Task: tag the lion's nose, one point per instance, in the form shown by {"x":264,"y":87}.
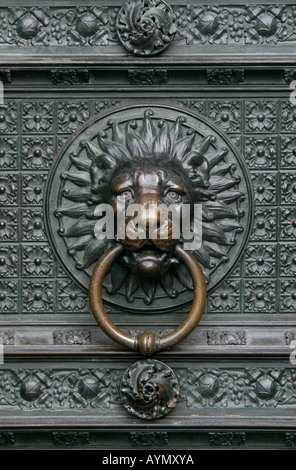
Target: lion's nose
{"x":149,"y":216}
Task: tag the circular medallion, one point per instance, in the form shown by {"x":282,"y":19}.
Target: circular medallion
{"x":182,"y":149}
{"x":145,"y":27}
{"x":149,"y":389}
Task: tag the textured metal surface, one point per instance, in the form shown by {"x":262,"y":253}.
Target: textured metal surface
{"x":208,"y":33}
{"x":273,"y":233}
{"x":236,"y":382}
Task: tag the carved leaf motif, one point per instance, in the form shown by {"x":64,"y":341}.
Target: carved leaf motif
{"x":80,"y":228}
{"x":132,"y":286}
{"x":81,"y":179}
{"x":220,"y":209}
{"x":117,"y":151}
{"x":74,"y":212}
{"x":149,"y":389}
{"x":93,"y":252}
{"x":213,"y":233}
{"x":145,"y":28}
{"x":78,"y":195}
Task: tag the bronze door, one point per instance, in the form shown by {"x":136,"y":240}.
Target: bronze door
{"x":150,"y":103}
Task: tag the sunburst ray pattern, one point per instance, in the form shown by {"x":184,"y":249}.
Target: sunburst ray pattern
{"x":214,"y":183}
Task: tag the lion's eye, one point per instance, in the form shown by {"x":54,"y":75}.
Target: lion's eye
{"x":174,"y":196}
{"x":126,"y":194}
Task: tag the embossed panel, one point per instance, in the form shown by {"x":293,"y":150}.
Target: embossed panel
{"x":79,"y":181}
{"x":63,"y":63}
{"x":34,"y":282}
{"x":145,"y":30}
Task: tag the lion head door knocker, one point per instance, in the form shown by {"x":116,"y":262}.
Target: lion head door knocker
{"x":154,"y":155}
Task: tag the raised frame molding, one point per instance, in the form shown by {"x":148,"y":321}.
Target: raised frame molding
{"x":220,"y":342}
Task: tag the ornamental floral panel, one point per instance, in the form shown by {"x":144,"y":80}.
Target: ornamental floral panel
{"x":193,"y":24}
{"x":288,"y":154}
{"x":31,"y":281}
{"x":8,"y":152}
{"x":97,"y":389}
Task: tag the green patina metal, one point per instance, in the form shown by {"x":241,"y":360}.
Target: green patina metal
{"x":61,"y":66}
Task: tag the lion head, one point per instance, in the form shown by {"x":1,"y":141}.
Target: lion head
{"x":156,"y":162}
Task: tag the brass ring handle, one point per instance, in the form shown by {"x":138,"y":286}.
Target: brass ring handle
{"x":147,"y":343}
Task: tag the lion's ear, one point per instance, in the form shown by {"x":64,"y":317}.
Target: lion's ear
{"x":104,"y":162}
{"x":95,"y":173}
{"x":193,"y":158}
{"x":204,"y":172}
{"x":100,"y":170}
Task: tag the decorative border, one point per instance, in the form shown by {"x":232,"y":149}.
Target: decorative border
{"x":234,"y":388}
{"x":195,"y":24}
{"x":146,"y":440}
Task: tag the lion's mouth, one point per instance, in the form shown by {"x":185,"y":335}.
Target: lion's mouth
{"x":149,"y":251}
{"x":149,"y":261}
{"x":157,"y":243}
